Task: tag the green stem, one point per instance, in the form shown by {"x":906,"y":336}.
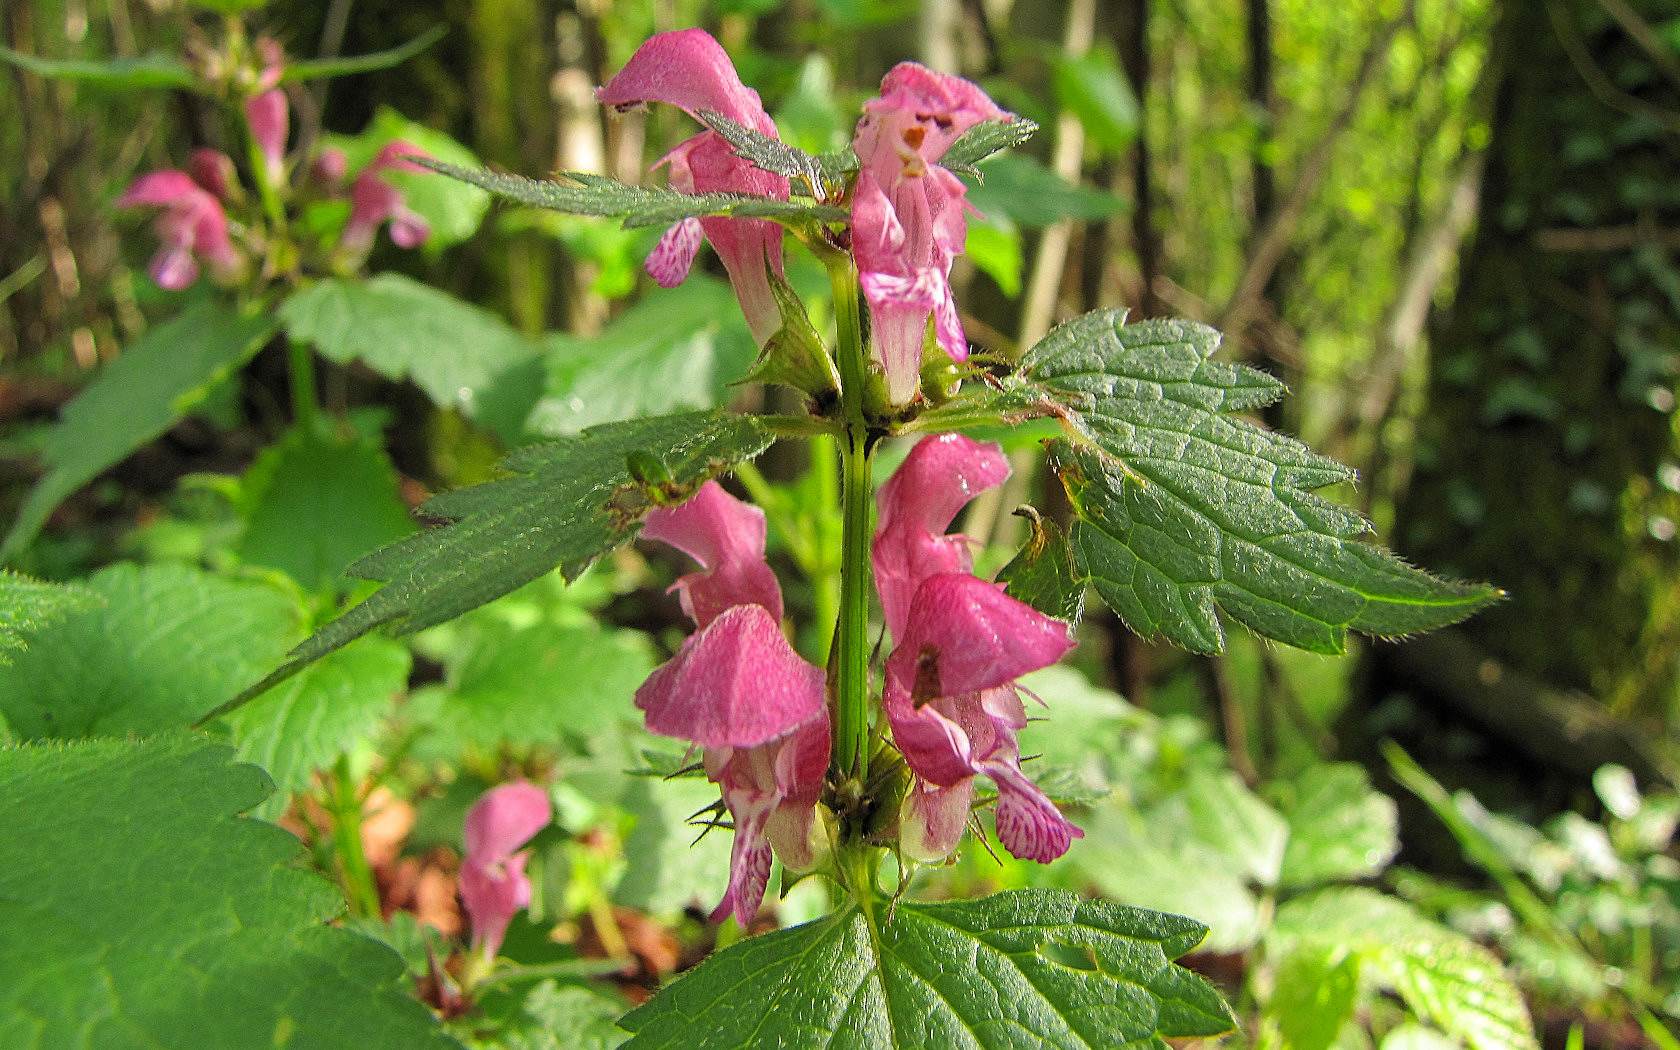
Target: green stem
{"x":851,"y":656}
{"x":306,"y":405}
{"x":359,"y":886}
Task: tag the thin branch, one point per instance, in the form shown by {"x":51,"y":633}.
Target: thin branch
{"x":1597,"y":81}
{"x":1604,"y":238}
{"x":1643,"y":35}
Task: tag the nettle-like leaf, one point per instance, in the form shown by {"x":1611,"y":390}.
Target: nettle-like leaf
{"x":1339,"y":827}
{"x":1442,"y":976}
{"x":137,"y":909}
{"x":984,"y":139}
{"x":821,"y":174}
{"x":402,"y":329}
{"x":1043,"y":573}
{"x":155,"y":382}
{"x":28,"y":605}
{"x":1026,"y":968}
{"x":563,"y":504}
{"x":585,"y":194}
{"x":1184,"y":508}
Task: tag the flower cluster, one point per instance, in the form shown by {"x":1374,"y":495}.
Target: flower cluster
{"x":206,"y":216}
{"x":736,"y":689}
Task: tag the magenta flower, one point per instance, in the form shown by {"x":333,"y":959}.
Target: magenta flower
{"x":908,"y":215}
{"x":192,"y":226}
{"x":214,"y":171}
{"x":916,"y":506}
{"x":738,"y":690}
{"x":266,"y":113}
{"x":373,"y":202}
{"x":955,"y":712}
{"x":690,"y":70}
{"x":494,"y":886}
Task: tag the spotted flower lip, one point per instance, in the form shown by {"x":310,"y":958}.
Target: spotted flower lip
{"x":955,"y":712}
{"x":494,"y":886}
{"x":375,"y":202}
{"x":908,"y":215}
{"x":690,"y":70}
{"x":191,"y":226}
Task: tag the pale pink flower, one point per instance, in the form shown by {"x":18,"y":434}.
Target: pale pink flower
{"x":955,"y":712}
{"x":908,"y":215}
{"x":738,"y":690}
{"x":374,"y":202}
{"x":494,"y":886}
{"x":329,"y":166}
{"x":915,"y":507}
{"x":192,"y":226}
{"x":690,"y":70}
{"x":213,"y":170}
{"x":267,"y":115}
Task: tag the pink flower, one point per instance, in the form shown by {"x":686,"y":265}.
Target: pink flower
{"x":738,"y":690}
{"x":329,"y":166}
{"x":690,"y":70}
{"x":494,"y":886}
{"x":726,"y":536}
{"x":916,"y":506}
{"x":266,"y":113}
{"x":908,"y":215}
{"x":213,"y":170}
{"x":192,"y":226}
{"x":373,"y":202}
{"x":954,"y":710}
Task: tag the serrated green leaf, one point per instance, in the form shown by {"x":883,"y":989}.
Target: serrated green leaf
{"x":1314,"y":995}
{"x":585,"y":194}
{"x":316,"y":68}
{"x":138,"y":910}
{"x":1184,"y":508}
{"x":824,"y":176}
{"x":316,"y":501}
{"x":1042,"y":573}
{"x":562,"y":505}
{"x":145,"y":71}
{"x":1443,"y":977}
{"x":677,"y":349}
{"x":403,"y":329}
{"x":1339,"y":828}
{"x":306,"y":723}
{"x":1027,"y":968}
{"x":984,"y":139}
{"x":565,"y":1017}
{"x":161,"y":645}
{"x":155,"y":382}
{"x":28,"y":605}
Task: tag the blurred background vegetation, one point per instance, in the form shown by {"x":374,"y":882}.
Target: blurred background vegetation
{"x":1451,"y":226}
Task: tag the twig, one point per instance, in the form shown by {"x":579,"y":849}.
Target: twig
{"x":1643,"y":35}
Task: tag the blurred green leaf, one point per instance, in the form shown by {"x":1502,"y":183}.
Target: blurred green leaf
{"x":566,"y":1017}
{"x":451,"y":208}
{"x":1041,"y":967}
{"x":316,"y":68}
{"x":138,"y":910}
{"x":1443,"y":978}
{"x":316,"y":501}
{"x":307,"y":723}
{"x":1031,"y":195}
{"x":1339,"y":828}
{"x":809,"y":116}
{"x":162,"y":645}
{"x":1314,"y":994}
{"x":125,"y":74}
{"x":28,"y":605}
{"x":1094,"y":89}
{"x":994,"y":247}
{"x":156,"y":381}
{"x":677,"y":348}
{"x":403,"y":329}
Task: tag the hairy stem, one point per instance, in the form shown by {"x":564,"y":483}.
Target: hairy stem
{"x":306,"y":406}
{"x":850,"y":659}
{"x":359,"y":886}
